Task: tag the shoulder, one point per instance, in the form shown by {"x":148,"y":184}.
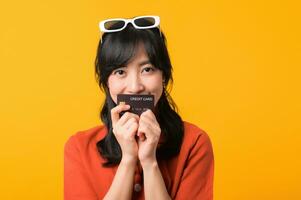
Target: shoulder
{"x":84,"y":138}
{"x":192,"y":132}
{"x":195,"y":137}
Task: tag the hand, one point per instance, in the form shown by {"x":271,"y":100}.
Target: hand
{"x":125,"y":129}
{"x":149,"y":132}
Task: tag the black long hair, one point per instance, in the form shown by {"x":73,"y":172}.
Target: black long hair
{"x":115,"y":50}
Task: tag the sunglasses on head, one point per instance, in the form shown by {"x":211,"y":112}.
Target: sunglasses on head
{"x":118,"y":24}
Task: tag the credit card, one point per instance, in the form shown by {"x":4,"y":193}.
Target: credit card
{"x":139,"y":103}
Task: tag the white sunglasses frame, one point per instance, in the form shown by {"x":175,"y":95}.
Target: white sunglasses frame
{"x":103,"y":29}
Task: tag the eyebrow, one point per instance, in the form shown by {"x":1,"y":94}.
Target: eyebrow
{"x":144,"y":63}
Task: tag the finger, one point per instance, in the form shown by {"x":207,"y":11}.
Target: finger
{"x":141,"y":129}
{"x":141,"y":137}
{"x":148,"y":127}
{"x":150,"y":118}
{"x":149,"y":122}
{"x":128,"y":123}
{"x":147,"y":134}
{"x":116,"y":110}
{"x":149,"y":114}
{"x":133,"y":127}
{"x":126,"y":116}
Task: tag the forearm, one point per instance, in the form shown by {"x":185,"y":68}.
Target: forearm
{"x":122,"y":185}
{"x":154,"y":185}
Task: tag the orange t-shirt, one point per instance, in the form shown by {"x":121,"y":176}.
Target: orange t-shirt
{"x":189,"y":175}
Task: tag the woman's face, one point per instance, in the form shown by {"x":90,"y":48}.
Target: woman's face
{"x":139,"y":76}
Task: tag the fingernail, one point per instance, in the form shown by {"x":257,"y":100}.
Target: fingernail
{"x":121,"y":103}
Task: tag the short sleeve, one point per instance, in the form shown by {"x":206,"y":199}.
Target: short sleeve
{"x":77,"y":185}
{"x":197,"y":178}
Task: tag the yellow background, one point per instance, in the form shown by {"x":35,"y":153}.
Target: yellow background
{"x":237,"y":76}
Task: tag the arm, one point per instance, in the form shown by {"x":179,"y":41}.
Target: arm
{"x":124,"y":129}
{"x":149,"y":133}
{"x":122,"y":185}
{"x":197,"y":179}
{"x":154,"y":185}
{"x":77,"y":185}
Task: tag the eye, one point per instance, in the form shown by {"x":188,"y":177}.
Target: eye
{"x":148,"y":69}
{"x":119,"y":72}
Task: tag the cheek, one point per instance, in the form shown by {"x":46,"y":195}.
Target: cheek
{"x":158,"y":94}
{"x":115,"y":87}
{"x":155,"y":86}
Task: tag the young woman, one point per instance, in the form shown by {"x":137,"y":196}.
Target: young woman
{"x":152,"y":156}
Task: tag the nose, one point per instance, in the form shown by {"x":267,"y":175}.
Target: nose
{"x":135,"y":85}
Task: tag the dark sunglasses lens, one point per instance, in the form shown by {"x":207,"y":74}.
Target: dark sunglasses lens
{"x":113,"y":25}
{"x":145,"y":21}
